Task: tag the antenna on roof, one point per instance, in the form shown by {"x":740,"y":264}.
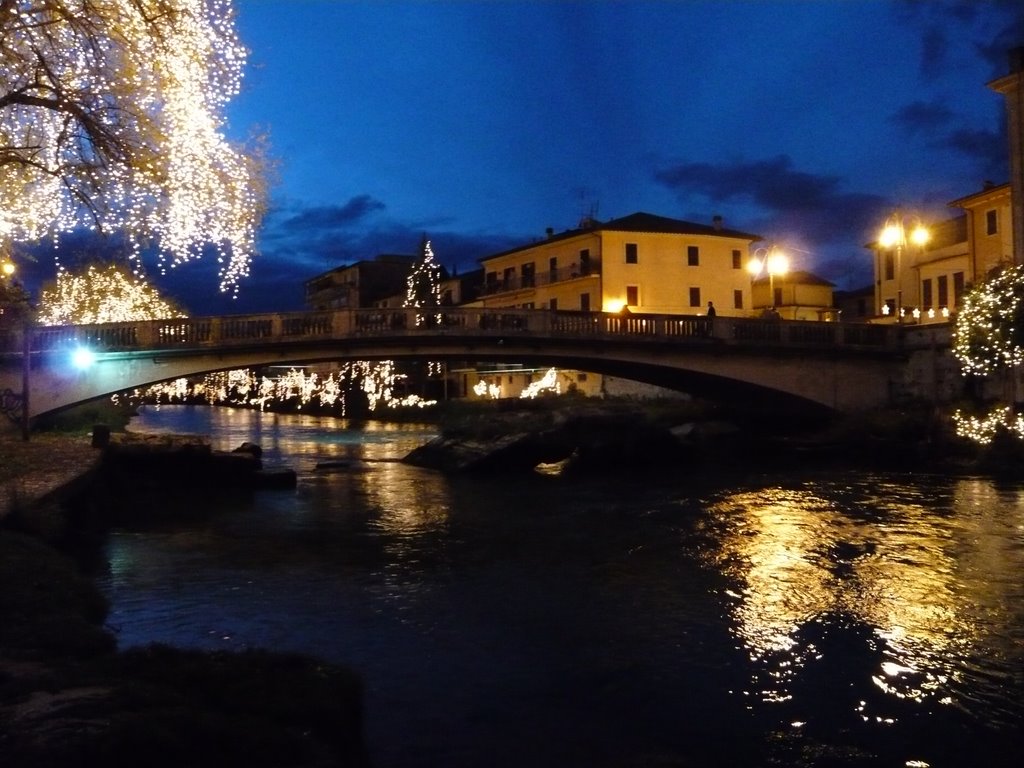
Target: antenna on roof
{"x":589,"y":216}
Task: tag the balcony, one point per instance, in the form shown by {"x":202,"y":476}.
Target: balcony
{"x":547,"y":277}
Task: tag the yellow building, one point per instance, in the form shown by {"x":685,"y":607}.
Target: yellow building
{"x":795,"y":295}
{"x":929,"y":282}
{"x":650,"y":264}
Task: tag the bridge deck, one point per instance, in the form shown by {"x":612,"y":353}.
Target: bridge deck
{"x":226,"y":331}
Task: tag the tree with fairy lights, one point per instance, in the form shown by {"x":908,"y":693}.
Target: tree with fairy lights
{"x":423,"y":285}
{"x":111,"y":118}
{"x":102,"y":294}
{"x":988,"y":340}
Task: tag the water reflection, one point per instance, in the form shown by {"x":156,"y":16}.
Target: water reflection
{"x":931,"y":569}
{"x":303,"y":440}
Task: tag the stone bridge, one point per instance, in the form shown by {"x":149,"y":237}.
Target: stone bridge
{"x":843,"y":367}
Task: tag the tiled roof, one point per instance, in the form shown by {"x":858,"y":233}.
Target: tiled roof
{"x":799,"y":277}
{"x":648,"y":222}
{"x":635,"y":222}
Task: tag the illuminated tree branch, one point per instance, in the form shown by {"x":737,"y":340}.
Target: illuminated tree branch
{"x":112,"y":117}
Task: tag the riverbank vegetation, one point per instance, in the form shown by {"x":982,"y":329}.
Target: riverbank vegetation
{"x":68,"y":696}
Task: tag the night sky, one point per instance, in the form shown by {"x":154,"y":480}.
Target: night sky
{"x":480,"y":124}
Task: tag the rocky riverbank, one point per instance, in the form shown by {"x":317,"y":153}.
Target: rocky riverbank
{"x":589,"y":437}
{"x":69,"y":697}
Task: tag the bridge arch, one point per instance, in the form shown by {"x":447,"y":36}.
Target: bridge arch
{"x":818,"y":366}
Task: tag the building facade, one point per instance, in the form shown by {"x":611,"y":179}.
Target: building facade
{"x":648,"y":263}
{"x":929,"y":283}
{"x":358,"y":285}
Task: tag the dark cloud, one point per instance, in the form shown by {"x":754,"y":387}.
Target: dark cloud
{"x":922,"y":117}
{"x":988,"y":147}
{"x":934,"y":53}
{"x":330,"y":216}
{"x":770,"y":183}
{"x":806,"y":211}
{"x":991,"y":28}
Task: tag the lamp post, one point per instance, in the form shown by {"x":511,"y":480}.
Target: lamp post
{"x":14,"y":304}
{"x":772,"y":261}
{"x":898,"y":232}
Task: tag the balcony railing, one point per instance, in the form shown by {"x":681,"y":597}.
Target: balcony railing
{"x":547,"y":277}
{"x":262,"y":330}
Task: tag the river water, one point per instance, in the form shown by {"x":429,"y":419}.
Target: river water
{"x":667,"y":619}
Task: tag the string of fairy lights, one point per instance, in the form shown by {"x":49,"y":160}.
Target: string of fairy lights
{"x":114,"y":121}
{"x":986,"y":342}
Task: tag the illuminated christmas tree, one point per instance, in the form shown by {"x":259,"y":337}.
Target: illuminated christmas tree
{"x":423,"y":286}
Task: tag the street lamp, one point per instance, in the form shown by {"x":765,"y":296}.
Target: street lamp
{"x":898,"y":232}
{"x":770,"y":260}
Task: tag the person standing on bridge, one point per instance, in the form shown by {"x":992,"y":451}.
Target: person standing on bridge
{"x":711,"y":309}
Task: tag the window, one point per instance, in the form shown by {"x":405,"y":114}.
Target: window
{"x":631,"y":253}
{"x":528,"y":270}
{"x":491,"y":280}
{"x":509,"y":277}
{"x":958,"y":287}
{"x":737,"y":260}
{"x":695,"y":297}
{"x":737,"y":297}
{"x":553,"y":304}
{"x":890,"y":268}
{"x":632,"y":295}
{"x":777,"y":298}
{"x":585,"y":302}
{"x":926,"y":293}
{"x":992,"y":222}
{"x":585,"y":261}
{"x":943,"y":291}
{"x":692,"y":256}
{"x":553,"y":268}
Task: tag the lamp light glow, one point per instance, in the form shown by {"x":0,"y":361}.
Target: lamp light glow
{"x":82,"y":358}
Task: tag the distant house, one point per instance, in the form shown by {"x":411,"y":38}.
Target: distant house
{"x":798,"y":295}
{"x":857,"y":305}
{"x":361,"y":284}
{"x":651,"y":264}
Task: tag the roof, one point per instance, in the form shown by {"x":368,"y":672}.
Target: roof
{"x":636,"y":222}
{"x":798,"y":276}
{"x":989,"y":191}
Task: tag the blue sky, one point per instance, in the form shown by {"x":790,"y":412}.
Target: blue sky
{"x":482,"y":123}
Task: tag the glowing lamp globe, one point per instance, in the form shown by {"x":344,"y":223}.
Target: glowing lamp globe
{"x":82,"y":358}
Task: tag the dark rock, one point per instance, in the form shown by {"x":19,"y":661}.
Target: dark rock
{"x":250,"y":448}
{"x":100,"y":436}
{"x":276,"y":477}
{"x":334,"y":464}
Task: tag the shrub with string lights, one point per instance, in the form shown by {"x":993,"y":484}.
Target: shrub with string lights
{"x":990,"y":326}
{"x":102,"y":294}
{"x":988,"y":338}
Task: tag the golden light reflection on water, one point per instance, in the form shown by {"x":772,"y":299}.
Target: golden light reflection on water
{"x":930,"y":575}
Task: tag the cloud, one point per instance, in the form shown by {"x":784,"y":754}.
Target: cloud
{"x":332,"y":216}
{"x":988,"y":147}
{"x":922,"y":117}
{"x":806,"y":211}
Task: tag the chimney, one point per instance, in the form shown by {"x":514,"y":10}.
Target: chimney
{"x":717,"y":223}
{"x":1012,"y":88}
{"x":550,"y":231}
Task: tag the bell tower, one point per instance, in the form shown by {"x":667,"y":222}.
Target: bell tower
{"x":1012,"y":88}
